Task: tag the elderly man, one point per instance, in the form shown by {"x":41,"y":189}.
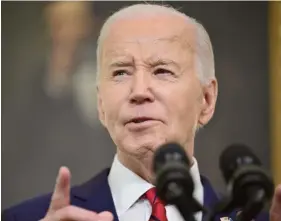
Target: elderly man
{"x":156,"y":84}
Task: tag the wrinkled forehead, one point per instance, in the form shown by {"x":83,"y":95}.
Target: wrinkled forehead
{"x":146,"y":47}
{"x":150,"y":35}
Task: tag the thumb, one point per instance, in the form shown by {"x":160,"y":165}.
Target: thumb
{"x":106,"y":216}
{"x":61,"y":194}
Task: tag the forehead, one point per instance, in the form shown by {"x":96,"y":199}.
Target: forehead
{"x":152,"y":35}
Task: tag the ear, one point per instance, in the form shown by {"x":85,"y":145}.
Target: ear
{"x":100,"y":107}
{"x":209,"y":96}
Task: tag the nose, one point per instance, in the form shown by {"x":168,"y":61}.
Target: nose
{"x":141,"y":89}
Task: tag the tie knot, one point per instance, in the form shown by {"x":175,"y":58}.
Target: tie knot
{"x":158,"y":207}
{"x":152,"y":196}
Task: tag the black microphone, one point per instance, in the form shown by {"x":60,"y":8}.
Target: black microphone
{"x":250,"y":187}
{"x":174,"y":184}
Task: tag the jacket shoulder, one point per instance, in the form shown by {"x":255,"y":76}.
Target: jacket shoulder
{"x":36,"y":208}
{"x":29,"y":210}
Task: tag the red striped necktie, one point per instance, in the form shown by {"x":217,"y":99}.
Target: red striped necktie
{"x":158,"y":207}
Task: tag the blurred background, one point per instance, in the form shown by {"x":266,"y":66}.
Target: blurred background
{"x":49,"y":113}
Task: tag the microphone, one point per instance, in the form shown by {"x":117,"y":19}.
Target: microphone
{"x":249,"y":185}
{"x":174,"y":184}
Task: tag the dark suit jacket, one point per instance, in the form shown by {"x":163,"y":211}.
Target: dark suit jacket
{"x":95,"y":195}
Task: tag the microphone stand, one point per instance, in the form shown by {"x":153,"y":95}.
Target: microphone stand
{"x":254,"y":205}
{"x":248,"y":212}
{"x":186,"y":206}
{"x":226,"y":204}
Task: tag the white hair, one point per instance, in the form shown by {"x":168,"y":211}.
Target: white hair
{"x":204,"y":51}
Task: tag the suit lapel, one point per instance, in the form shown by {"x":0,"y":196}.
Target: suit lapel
{"x":95,"y":195}
{"x":210,"y":197}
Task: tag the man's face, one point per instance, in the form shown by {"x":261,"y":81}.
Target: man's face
{"x":149,"y":92}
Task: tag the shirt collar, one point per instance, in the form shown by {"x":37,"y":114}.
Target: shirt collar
{"x":127,"y":187}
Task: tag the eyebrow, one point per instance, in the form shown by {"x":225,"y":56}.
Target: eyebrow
{"x":159,"y":61}
{"x":151,"y":62}
{"x":121,"y":64}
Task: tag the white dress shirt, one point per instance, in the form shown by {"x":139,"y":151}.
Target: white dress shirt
{"x":127,"y":188}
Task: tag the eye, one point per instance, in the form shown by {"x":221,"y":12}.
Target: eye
{"x":120,"y":73}
{"x":163,"y":71}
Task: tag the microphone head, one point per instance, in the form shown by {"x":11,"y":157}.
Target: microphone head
{"x":172,"y":179}
{"x":169,"y":153}
{"x":247,"y":182}
{"x":235,"y":156}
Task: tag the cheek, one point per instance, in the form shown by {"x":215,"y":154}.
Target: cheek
{"x":111,"y":111}
{"x":112,"y":104}
{"x":184,"y":110}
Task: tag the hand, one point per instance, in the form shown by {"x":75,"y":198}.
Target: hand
{"x":275,"y":210}
{"x":60,"y":208}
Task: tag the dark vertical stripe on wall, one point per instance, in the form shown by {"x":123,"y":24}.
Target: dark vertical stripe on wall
{"x":275,"y":87}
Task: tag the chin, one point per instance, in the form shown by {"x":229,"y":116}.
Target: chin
{"x":142,"y":145}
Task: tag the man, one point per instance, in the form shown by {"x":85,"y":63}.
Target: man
{"x":156,"y":84}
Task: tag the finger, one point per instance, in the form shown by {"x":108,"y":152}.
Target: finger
{"x":105,"y":216}
{"x":74,"y":213}
{"x":61,"y":194}
{"x":275,"y":211}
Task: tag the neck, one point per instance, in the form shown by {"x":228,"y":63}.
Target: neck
{"x":142,"y":164}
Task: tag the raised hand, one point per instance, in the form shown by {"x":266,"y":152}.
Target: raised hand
{"x":275,"y":210}
{"x":60,"y":208}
